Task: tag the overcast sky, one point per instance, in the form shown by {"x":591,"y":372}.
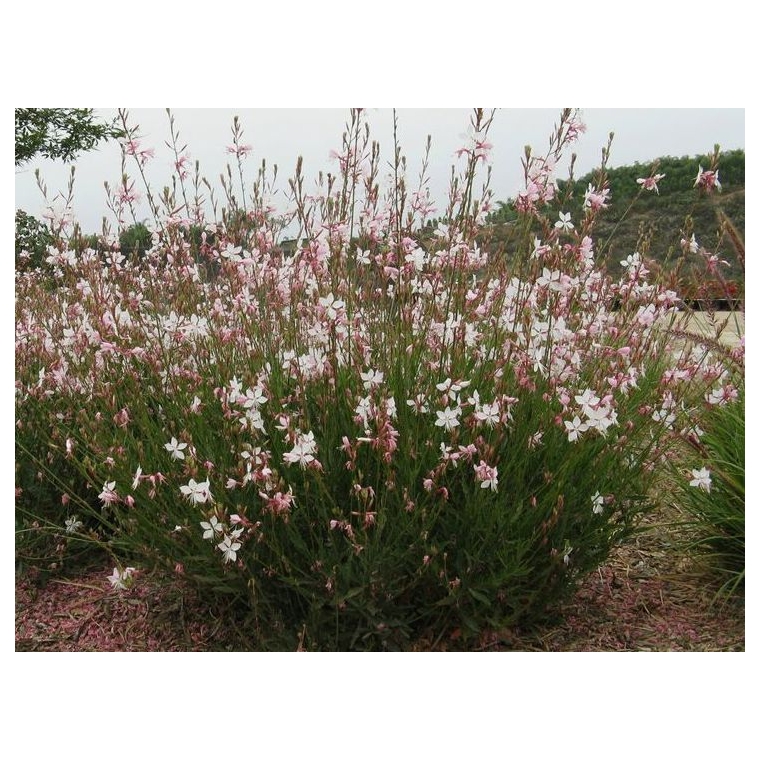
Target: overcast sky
{"x":281,"y":135}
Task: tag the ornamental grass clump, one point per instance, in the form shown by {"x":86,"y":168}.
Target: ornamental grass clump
{"x":392,"y":434}
{"x":709,"y":475}
{"x":711,"y":493}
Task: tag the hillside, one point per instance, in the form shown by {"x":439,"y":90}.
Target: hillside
{"x":654,"y":224}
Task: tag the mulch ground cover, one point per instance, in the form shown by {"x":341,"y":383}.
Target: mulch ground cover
{"x":649,"y":597}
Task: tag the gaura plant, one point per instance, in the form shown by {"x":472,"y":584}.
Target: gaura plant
{"x":387,"y":433}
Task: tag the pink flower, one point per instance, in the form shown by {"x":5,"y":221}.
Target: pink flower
{"x":575,"y":128}
{"x":479,"y":150}
{"x":488,"y":476}
{"x":596,"y":199}
{"x":708,"y":180}
{"x":108,"y":495}
{"x":650,"y":183}
{"x":128,"y":194}
{"x":241,"y":151}
{"x":712,"y":261}
{"x":181,"y":165}
{"x":279,"y":504}
{"x":144,"y":155}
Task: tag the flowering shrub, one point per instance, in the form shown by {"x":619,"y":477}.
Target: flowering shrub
{"x":379,"y":437}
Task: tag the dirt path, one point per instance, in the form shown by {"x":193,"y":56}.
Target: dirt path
{"x":704,"y":323}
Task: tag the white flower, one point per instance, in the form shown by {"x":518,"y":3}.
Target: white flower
{"x":364,"y":409}
{"x":665,"y":416}
{"x":701,"y":479}
{"x":73,"y":524}
{"x":175,"y":448}
{"x":489,"y":413}
{"x":299,"y":454}
{"x":211,"y":527}
{"x":371,"y":378}
{"x":121,"y":579}
{"x":587,"y":399}
{"x":715,"y":397}
{"x":597,"y":500}
{"x":197,"y":493}
{"x":235,"y":389}
{"x":303,"y":451}
{"x":416,"y":258}
{"x":138,"y":476}
{"x":254,"y":398}
{"x":229,"y":546}
{"x":631,"y":262}
{"x":232,"y":252}
{"x":418,"y":403}
{"x":600,"y":417}
{"x":448,"y":419}
{"x":564,"y":222}
{"x":332,"y":306}
{"x":451,"y":388}
{"x":574,"y":428}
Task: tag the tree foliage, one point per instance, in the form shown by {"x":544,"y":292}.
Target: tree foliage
{"x":135,"y":239}
{"x":58,"y":133}
{"x":32,"y":240}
